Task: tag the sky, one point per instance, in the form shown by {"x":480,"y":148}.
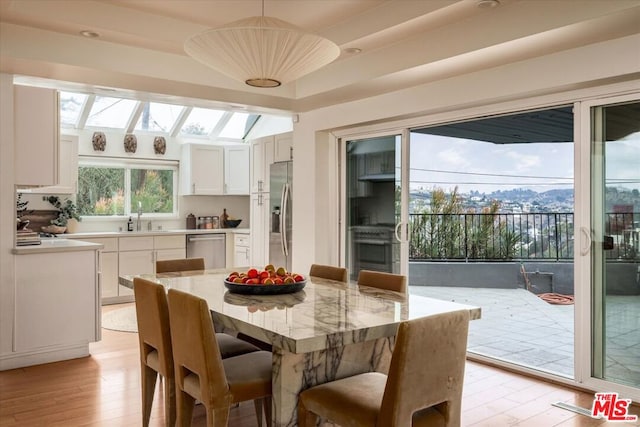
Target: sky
{"x":486,"y":167}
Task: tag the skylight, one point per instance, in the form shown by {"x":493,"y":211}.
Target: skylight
{"x":201,"y":122}
{"x":158,"y":117}
{"x":83,"y":111}
{"x":108,"y":112}
{"x":71,"y":106}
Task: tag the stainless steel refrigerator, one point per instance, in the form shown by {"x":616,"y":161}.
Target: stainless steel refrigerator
{"x":280,"y":208}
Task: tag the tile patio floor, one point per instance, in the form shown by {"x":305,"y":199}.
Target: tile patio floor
{"x":517,"y":326}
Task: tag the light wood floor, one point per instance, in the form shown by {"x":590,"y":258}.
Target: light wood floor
{"x":104,"y":390}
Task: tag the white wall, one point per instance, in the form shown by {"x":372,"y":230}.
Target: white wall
{"x":549,"y":79}
{"x":7,"y":214}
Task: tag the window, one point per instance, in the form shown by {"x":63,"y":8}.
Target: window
{"x":121,"y":188}
{"x":158,"y":117}
{"x":201,"y":122}
{"x":71,"y":105}
{"x":111,"y":112}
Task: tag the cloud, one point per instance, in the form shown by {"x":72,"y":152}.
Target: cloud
{"x":524,"y":162}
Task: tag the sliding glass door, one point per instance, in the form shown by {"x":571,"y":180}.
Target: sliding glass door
{"x":610,"y":246}
{"x":375,"y":236}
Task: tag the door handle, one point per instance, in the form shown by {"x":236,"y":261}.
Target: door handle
{"x":585,"y":248}
{"x":282,"y":215}
{"x":396,"y":232}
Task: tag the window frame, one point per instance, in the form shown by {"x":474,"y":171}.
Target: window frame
{"x":128,"y":165}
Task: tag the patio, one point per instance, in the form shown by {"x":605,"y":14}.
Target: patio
{"x":517,"y":326}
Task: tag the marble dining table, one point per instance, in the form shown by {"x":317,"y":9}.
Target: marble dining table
{"x":328,"y":330}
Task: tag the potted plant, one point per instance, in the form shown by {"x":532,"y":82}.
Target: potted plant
{"x":21,"y":211}
{"x":67,"y":215}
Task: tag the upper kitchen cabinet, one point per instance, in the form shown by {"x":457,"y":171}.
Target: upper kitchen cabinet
{"x":236,"y":169}
{"x":212,"y":170}
{"x":36,"y":133}
{"x":262,"y":155}
{"x":283,"y":147}
{"x":202,"y":170}
{"x":67,"y":167}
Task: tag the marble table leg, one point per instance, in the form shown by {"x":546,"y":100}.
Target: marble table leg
{"x":295,"y":372}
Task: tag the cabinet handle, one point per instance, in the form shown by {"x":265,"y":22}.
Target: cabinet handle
{"x":259,"y":185}
{"x":193,"y":187}
{"x":290,"y":153}
{"x":259,"y":199}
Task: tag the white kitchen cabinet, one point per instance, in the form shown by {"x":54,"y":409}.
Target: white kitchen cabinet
{"x":283,"y":147}
{"x":108,"y":271}
{"x":56,"y":301}
{"x":262,"y":151}
{"x":259,"y":247}
{"x":109,"y":275}
{"x":136,"y":256}
{"x":202,"y":170}
{"x":67,"y":168}
{"x":169,"y":247}
{"x":36,"y":135}
{"x":166,"y":254}
{"x":236,"y":169}
{"x":242,"y":251}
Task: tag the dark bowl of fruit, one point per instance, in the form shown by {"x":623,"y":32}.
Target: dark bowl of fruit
{"x":270,"y":281}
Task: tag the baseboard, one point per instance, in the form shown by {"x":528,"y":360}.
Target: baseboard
{"x":21,"y":360}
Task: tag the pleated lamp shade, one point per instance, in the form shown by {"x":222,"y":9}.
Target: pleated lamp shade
{"x":261,"y":51}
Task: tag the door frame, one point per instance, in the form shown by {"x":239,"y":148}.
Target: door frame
{"x":403,"y":133}
{"x":587,"y":322}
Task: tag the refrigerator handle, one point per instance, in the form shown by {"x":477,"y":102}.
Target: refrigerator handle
{"x":285,"y":238}
{"x":282,"y":217}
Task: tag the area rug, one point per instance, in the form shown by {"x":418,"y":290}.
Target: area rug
{"x":122,"y":319}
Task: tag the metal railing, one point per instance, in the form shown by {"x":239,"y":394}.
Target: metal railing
{"x":508,"y":236}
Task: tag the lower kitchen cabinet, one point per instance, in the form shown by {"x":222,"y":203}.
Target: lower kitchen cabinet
{"x":108,"y":266}
{"x":241,"y":253}
{"x":169,"y":247}
{"x":130,"y":255}
{"x":165,"y":254}
{"x":134,"y":262}
{"x":109,"y":274}
{"x":56,"y":301}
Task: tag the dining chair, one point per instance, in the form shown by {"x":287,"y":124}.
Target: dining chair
{"x":156,"y":356}
{"x":381,"y":280}
{"x":229,"y":344}
{"x":423,"y":387}
{"x":201,"y":373}
{"x":328,"y":272}
{"x":186,"y":264}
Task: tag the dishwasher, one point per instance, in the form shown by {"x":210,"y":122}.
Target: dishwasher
{"x":211,"y":247}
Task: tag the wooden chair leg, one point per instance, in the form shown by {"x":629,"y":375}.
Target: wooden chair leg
{"x":185,"y":404}
{"x":267,"y":409}
{"x":257,"y":403}
{"x":306,"y":418}
{"x":218,"y":417}
{"x":149,"y":377}
{"x":170,"y":402}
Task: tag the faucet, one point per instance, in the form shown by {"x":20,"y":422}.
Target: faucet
{"x":139,"y":224}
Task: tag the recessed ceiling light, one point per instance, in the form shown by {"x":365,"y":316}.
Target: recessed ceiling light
{"x":89,"y":34}
{"x":351,"y":50}
{"x":487,"y":4}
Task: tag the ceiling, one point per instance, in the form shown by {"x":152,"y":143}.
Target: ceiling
{"x":403,"y":43}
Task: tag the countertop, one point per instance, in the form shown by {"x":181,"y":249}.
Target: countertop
{"x":57,"y":245}
{"x":73,"y":242}
{"x":92,"y":234}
